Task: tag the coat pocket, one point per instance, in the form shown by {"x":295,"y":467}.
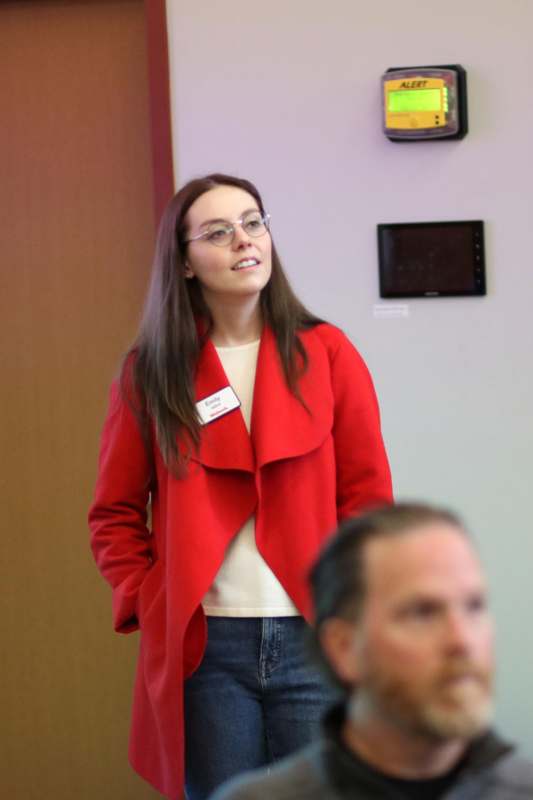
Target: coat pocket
{"x":149,"y":589}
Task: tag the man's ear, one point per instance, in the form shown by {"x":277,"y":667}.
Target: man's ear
{"x":339,"y":640}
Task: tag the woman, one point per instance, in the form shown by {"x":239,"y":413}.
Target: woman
{"x":252,"y":428}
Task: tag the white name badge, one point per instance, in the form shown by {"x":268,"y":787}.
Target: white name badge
{"x":217,"y":404}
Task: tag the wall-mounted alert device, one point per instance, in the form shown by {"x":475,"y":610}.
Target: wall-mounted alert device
{"x":431,"y":259}
{"x":424,"y":103}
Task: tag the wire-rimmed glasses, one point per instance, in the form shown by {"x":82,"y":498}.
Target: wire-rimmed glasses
{"x":221,"y":233}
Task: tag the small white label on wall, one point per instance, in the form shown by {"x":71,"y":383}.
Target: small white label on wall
{"x":391,"y":311}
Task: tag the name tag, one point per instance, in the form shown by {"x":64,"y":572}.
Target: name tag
{"x":217,"y":404}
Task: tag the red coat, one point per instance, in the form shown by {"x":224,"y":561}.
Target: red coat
{"x":299,"y":471}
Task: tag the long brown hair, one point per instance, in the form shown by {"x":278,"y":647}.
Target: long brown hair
{"x":162,"y":362}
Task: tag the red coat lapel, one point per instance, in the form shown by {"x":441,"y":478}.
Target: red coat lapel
{"x":281,"y":425}
{"x":224,"y":443}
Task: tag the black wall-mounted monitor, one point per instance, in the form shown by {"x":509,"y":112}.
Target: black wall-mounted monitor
{"x":431,"y":259}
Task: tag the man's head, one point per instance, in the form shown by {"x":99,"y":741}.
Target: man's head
{"x":401,"y":621}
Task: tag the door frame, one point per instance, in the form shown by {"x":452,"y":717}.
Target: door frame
{"x":160,"y":114}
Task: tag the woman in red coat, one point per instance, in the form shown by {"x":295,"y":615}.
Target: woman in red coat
{"x":249,"y":428}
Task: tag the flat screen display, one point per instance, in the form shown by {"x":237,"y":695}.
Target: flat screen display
{"x":415,"y":100}
{"x":431,"y":259}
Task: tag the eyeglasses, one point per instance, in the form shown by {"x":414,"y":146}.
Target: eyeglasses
{"x":221,"y":234}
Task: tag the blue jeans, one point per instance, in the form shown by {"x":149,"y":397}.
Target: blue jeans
{"x":253,"y":700}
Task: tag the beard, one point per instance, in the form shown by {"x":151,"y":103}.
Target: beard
{"x":454,"y":704}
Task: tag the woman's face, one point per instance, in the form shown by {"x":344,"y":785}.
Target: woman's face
{"x":240,"y":269}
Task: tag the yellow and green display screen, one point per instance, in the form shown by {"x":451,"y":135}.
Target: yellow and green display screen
{"x":412,"y":100}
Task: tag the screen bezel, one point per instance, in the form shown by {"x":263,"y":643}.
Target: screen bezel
{"x":476,"y":262}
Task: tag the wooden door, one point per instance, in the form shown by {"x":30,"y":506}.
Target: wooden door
{"x":77,"y":232}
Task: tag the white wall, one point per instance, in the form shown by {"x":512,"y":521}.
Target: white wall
{"x":288,"y":94}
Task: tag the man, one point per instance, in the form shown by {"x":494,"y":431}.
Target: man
{"x":402,"y":626}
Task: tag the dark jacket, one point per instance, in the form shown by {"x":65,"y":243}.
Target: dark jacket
{"x":325,"y":770}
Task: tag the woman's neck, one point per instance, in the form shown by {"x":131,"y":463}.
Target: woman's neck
{"x":235,"y":323}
